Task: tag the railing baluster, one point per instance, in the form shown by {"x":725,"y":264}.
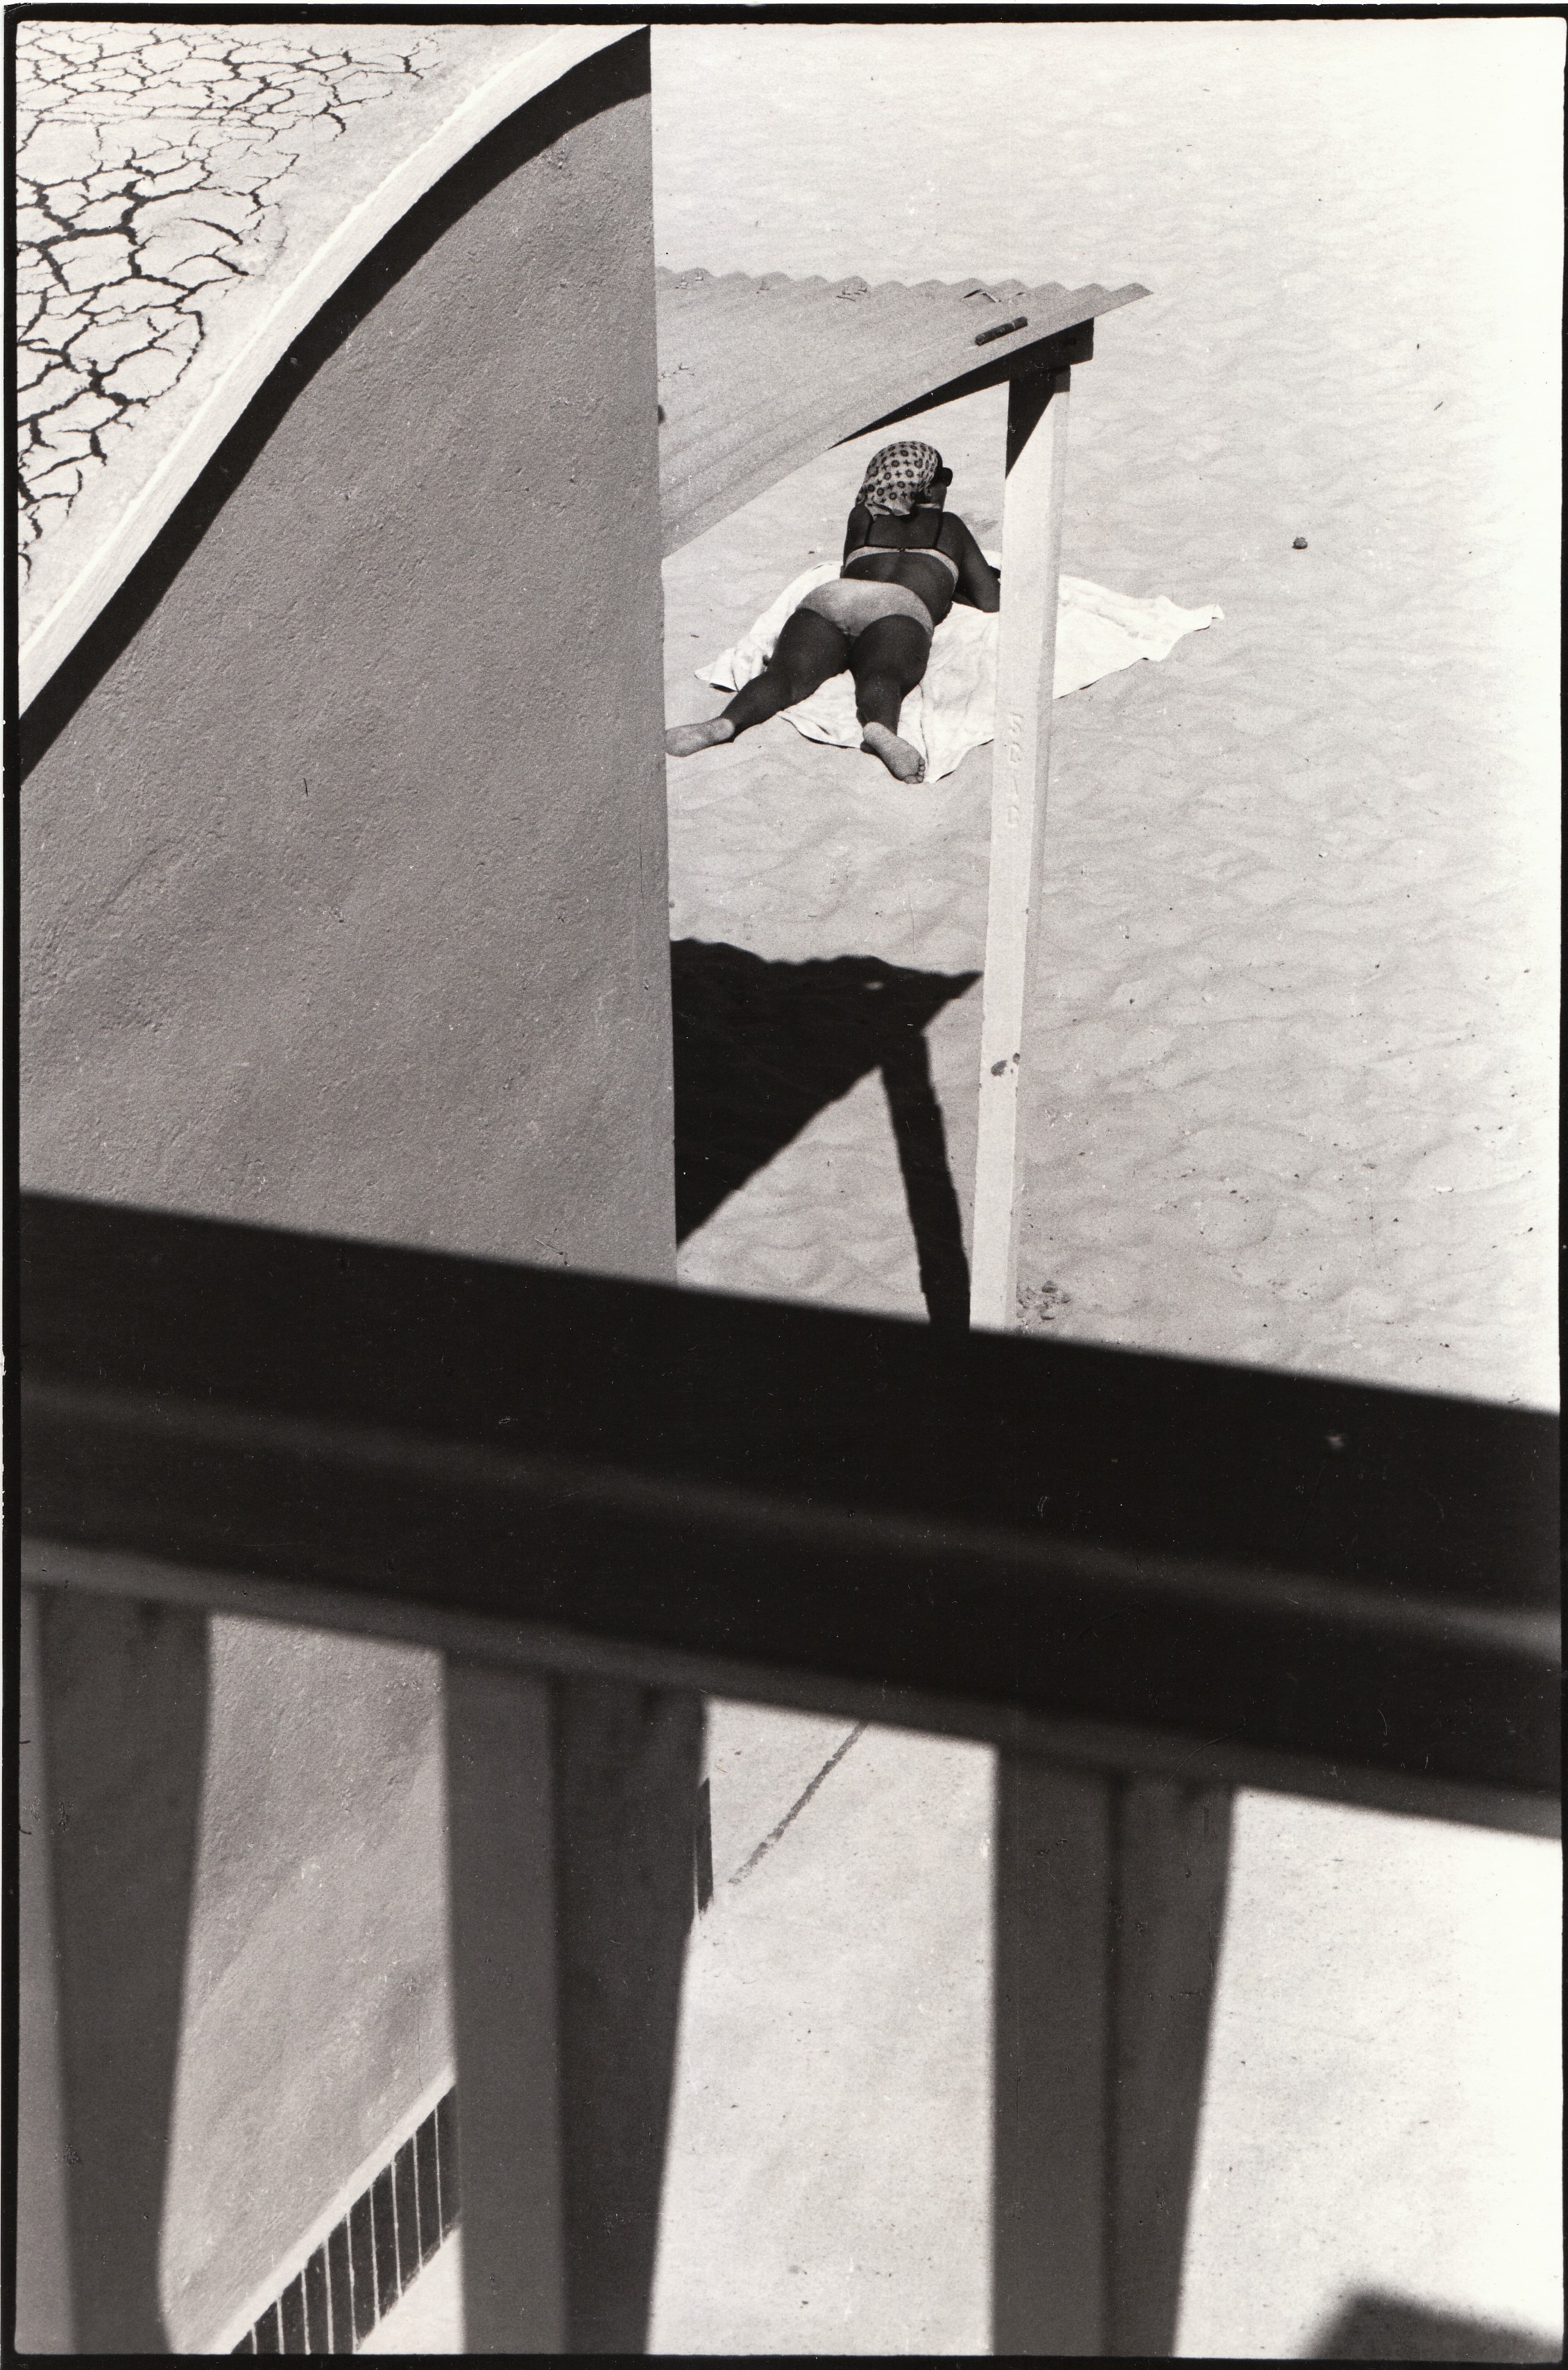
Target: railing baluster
{"x":572,"y":1888}
{"x":501,"y":1799}
{"x":44,"y":2265}
{"x":1052,"y":2071}
{"x":1172,"y":1863}
{"x":629,"y":1760}
{"x":1110,"y":1896}
{"x":121,"y":1710}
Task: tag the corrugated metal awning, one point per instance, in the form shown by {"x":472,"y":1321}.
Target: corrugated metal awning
{"x":756,"y":378}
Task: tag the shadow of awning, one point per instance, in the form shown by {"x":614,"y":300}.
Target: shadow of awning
{"x":761,"y":1047}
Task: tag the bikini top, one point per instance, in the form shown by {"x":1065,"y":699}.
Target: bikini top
{"x":910,"y":550}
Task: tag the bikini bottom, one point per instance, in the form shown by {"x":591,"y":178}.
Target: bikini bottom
{"x":852,"y":604}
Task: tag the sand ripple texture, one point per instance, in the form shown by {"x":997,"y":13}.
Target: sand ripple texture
{"x":1294,"y":1020}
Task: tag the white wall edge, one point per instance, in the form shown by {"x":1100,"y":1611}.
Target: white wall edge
{"x":297,"y":305}
{"x":226,"y":2336}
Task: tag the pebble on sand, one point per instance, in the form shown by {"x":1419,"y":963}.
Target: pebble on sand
{"x":1300,"y":543}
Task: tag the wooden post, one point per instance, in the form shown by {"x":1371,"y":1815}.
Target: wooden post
{"x":571,"y":1820}
{"x":118,"y":1704}
{"x":1110,"y":1897}
{"x":1032,"y":546}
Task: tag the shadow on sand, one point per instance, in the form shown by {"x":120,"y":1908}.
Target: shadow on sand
{"x":761,"y":1047}
{"x":1371,"y":2327}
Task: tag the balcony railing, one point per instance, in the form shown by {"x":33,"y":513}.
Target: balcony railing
{"x":1147,"y":1581}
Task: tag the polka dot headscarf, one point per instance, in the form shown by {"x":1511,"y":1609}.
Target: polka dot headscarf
{"x":897,"y":476}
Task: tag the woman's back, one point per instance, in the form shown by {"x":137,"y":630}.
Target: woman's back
{"x":930,"y":552}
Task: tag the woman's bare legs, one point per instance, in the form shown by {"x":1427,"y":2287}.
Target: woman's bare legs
{"x":887,"y":661}
{"x":685,"y":739}
{"x":807,"y":651}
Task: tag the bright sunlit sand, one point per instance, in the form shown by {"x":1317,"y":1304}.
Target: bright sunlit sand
{"x":1297,"y":983}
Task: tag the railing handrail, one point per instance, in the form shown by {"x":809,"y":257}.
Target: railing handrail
{"x":1247,"y":1564}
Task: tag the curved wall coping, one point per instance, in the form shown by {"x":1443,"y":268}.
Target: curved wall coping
{"x":295,"y":305}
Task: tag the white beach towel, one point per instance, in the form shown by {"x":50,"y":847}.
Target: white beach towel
{"x":952,"y":710}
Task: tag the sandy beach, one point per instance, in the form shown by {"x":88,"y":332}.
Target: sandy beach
{"x":1298,"y":979}
{"x":1294,"y":1106}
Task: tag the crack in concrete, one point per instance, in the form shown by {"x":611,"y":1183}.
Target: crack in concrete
{"x":794,"y":1813}
{"x":147,"y":158}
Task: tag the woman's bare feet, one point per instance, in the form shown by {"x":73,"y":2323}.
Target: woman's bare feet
{"x":901,"y":758}
{"x":685,"y":739}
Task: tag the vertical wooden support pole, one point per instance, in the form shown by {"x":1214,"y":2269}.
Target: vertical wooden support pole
{"x":120,"y":1709}
{"x":1109,"y":1898}
{"x":1031,"y":548}
{"x":570,"y":1814}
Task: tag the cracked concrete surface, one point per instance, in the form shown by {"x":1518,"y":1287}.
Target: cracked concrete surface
{"x":148,"y":158}
{"x":176,"y":182}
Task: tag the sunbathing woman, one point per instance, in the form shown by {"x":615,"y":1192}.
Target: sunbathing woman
{"x":905,"y":562}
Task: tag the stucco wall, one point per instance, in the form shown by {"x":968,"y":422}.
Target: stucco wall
{"x":342,"y":895}
{"x":344,"y":909}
